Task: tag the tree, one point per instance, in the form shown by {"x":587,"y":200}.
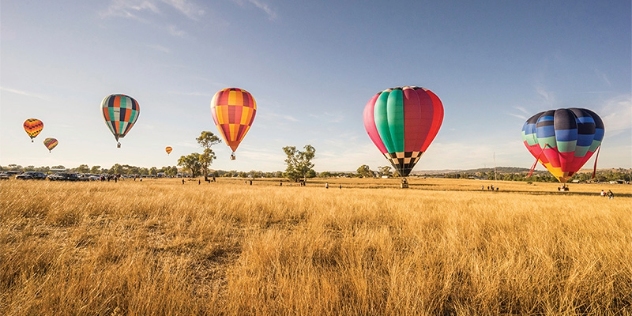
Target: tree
{"x":191,"y":162}
{"x":365,"y":172}
{"x":206,"y":140}
{"x":83,"y":169}
{"x":95,"y":169}
{"x":298,"y":162}
{"x":171,"y":171}
{"x":385,"y":171}
{"x":116,"y":169}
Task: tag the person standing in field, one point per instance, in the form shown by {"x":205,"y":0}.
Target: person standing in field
{"x":603,"y":193}
{"x":610,"y":195}
{"x":326,"y":185}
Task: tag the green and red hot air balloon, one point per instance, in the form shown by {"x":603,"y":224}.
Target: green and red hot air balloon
{"x":402,"y":122}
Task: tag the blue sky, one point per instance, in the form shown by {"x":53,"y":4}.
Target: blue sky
{"x":312,"y":67}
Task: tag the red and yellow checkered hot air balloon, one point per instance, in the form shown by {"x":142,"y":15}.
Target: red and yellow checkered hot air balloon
{"x":233,"y":112}
{"x":33,"y":127}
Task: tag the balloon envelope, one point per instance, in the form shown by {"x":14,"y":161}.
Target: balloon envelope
{"x":402,"y":122}
{"x":50,"y":143}
{"x":33,"y":127}
{"x":168,"y":149}
{"x":233,"y":111}
{"x":563,"y":140}
{"x":120,"y":112}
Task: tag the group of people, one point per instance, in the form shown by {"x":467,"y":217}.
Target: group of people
{"x":489,"y":188}
{"x":609,"y":194}
{"x":108,"y":177}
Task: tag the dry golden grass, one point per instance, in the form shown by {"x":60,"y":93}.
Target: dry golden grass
{"x":443,"y":247}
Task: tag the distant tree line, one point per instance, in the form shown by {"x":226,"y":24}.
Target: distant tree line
{"x":299,"y":167}
{"x":603,"y":175}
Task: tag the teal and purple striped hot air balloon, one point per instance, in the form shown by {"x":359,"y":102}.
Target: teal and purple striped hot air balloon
{"x":120,"y":113}
{"x":402,"y":122}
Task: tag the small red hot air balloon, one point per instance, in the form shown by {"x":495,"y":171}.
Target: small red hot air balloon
{"x":50,"y":143}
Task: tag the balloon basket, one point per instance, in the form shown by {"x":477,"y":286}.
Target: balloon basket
{"x":118,"y":145}
{"x":404,"y":184}
{"x":232,"y":157}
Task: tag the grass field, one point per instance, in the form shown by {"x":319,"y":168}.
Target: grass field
{"x":361,"y":247}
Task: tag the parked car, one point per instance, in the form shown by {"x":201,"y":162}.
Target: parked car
{"x":31,"y":175}
{"x":4,"y":176}
{"x":83,"y":177}
{"x":63,"y":176}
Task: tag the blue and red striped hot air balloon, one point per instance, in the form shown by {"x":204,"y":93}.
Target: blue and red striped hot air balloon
{"x":563,"y":140}
{"x":402,"y":122}
{"x":120,"y":113}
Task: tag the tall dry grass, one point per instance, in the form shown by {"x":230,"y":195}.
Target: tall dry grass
{"x":227,"y":248}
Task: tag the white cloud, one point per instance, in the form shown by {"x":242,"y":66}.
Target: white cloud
{"x":264,"y":6}
{"x":260,"y":5}
{"x":175,"y":31}
{"x":159,"y":48}
{"x":603,"y":77}
{"x":130,"y":9}
{"x":275,"y":116}
{"x":616,"y":114}
{"x":547,"y":96}
{"x":133,"y":8}
{"x":521,"y":109}
{"x":26,"y":93}
{"x":188,"y":8}
{"x":330,"y":117}
{"x":524,"y":114}
{"x":193,"y":94}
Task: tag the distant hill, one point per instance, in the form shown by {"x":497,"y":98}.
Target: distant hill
{"x":481,"y":170}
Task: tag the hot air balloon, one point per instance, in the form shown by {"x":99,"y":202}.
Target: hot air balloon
{"x":402,"y":122}
{"x":33,"y":127}
{"x":50,"y":143}
{"x":563,"y":140}
{"x":168,"y":149}
{"x":120,"y":113}
{"x":233,"y":111}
